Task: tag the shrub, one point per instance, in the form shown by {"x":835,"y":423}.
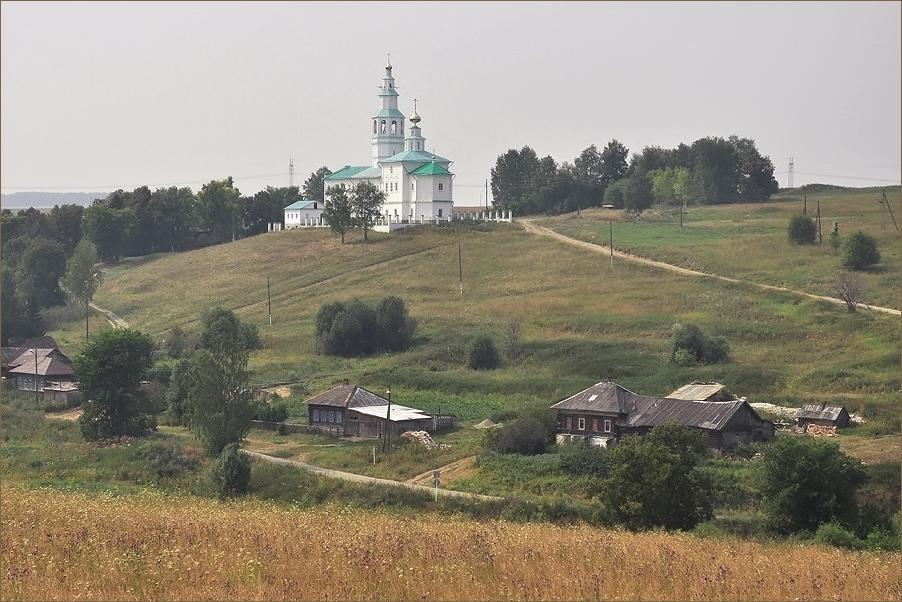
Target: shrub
{"x":232,"y":472}
{"x":483,"y":354}
{"x":581,"y":459}
{"x":833,"y":534}
{"x":166,"y":460}
{"x":272,"y":412}
{"x":690,"y":344}
{"x":525,"y":436}
{"x":859,"y":251}
{"x":355,"y":329}
{"x":802,"y":230}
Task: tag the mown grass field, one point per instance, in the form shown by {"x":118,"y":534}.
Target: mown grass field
{"x":150,"y":546}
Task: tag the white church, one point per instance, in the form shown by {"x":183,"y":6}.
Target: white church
{"x":417,"y":184}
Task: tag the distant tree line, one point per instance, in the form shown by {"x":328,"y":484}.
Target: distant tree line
{"x":708,"y":172}
{"x":36,"y":245}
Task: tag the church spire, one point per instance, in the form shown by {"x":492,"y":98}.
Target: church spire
{"x":388,"y":121}
{"x":414,"y":141}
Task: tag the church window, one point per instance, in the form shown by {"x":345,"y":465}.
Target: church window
{"x":439,"y":212}
{"x":441,"y":186}
{"x":391,"y":170}
{"x":411,"y":185}
{"x":383,"y":126}
{"x":374,"y":126}
{"x":394,"y":127}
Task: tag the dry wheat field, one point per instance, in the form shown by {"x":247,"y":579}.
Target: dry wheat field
{"x":66,"y":546}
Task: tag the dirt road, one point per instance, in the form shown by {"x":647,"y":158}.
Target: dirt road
{"x":531,"y":227}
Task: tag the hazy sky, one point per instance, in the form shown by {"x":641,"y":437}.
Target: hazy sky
{"x":100,"y":96}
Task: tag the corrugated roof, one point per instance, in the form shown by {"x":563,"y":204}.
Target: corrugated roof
{"x":395,"y":113}
{"x":608,"y":397}
{"x":697,"y":391}
{"x":349,"y":171}
{"x":415,"y":156}
{"x":50,"y":362}
{"x":347,"y":396}
{"x":431,"y":169}
{"x":398,"y":413}
{"x":820,"y":411}
{"x":713,"y":415}
{"x":302,"y":204}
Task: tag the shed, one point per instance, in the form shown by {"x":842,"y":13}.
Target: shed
{"x":823,"y":415}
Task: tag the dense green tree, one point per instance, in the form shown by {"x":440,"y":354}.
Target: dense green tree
{"x":15,"y":325}
{"x":38,"y":272}
{"x":615,"y":193}
{"x":366,"y":205}
{"x":109,"y":372}
{"x":483,"y":354}
{"x":512,"y":180}
{"x":613,"y":162}
{"x":346,"y":329}
{"x":587,"y":178}
{"x":859,"y":251}
{"x":801,"y":230}
{"x":808,"y":482}
{"x":232,"y":472}
{"x":671,"y":185}
{"x":109,"y":227}
{"x":690,"y":344}
{"x":639,"y":193}
{"x":217,"y":209}
{"x":219,"y":407}
{"x":65,"y":222}
{"x":177,"y":391}
{"x":716,"y":171}
{"x":394,"y":327}
{"x":338,"y":210}
{"x":315,"y":185}
{"x":654,"y":480}
{"x":171,"y":213}
{"x":12,"y":225}
{"x":652,"y":158}
{"x":221,"y":326}
{"x":83,"y":276}
{"x":756,"y":172}
{"x":265,"y":207}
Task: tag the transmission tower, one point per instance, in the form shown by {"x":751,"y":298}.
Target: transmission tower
{"x":291,"y":172}
{"x":791,"y":165}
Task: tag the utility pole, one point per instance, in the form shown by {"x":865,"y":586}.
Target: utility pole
{"x":791,"y":165}
{"x":486,"y":194}
{"x":460,"y":267}
{"x":611,"y":222}
{"x":291,"y":172}
{"x":387,"y":440}
{"x":269,"y":300}
{"x":37,"y":399}
{"x":890,"y":209}
{"x":820,"y":238}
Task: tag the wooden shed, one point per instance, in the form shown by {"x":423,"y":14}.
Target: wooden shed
{"x":822,"y":414}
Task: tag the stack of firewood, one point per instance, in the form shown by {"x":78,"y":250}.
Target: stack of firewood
{"x":821,"y":431}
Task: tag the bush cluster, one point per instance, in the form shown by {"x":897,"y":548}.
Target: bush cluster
{"x":802,"y":230}
{"x":483,"y":354}
{"x":859,"y":251}
{"x":232,"y":472}
{"x":691,"y":345}
{"x":353,"y":328}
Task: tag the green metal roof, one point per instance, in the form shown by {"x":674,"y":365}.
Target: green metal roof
{"x":389,"y":113}
{"x":431,"y":169}
{"x":302,"y":204}
{"x":415,"y":156}
{"x":347,"y":172}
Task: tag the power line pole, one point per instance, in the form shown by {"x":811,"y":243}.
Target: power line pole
{"x":611,"y":222}
{"x":291,"y":172}
{"x":487,"y":194}
{"x":269,"y":300}
{"x":791,"y":165}
{"x":460,"y":267}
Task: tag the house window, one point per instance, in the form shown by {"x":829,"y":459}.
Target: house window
{"x":441,"y":186}
{"x":582,"y":424}
{"x":607,"y":426}
{"x":338,"y":417}
{"x":315,"y":415}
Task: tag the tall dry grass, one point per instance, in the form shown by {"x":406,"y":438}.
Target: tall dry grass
{"x":77,"y":547}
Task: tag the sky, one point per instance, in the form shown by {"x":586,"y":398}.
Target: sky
{"x":107,"y":95}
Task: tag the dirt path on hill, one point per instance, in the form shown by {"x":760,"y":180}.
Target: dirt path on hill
{"x":114,"y":320}
{"x":534,"y":229}
{"x":449,"y":472}
{"x":337,"y":474}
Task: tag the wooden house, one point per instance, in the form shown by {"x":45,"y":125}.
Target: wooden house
{"x":606,"y":412}
{"x":822,"y":414}
{"x":38,"y":364}
{"x":699,"y":391}
{"x":350,"y":410}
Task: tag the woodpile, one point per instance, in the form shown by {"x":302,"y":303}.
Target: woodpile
{"x":423,"y":438}
{"x":821,"y":431}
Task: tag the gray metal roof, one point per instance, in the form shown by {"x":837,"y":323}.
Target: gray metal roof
{"x":347,"y":396}
{"x":607,"y":397}
{"x":820,"y":411}
{"x":697,"y":391}
{"x":710,"y":415}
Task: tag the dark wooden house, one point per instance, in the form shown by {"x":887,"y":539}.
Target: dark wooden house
{"x":823,"y":415}
{"x":606,"y":412}
{"x":39,"y":364}
{"x":350,"y":410}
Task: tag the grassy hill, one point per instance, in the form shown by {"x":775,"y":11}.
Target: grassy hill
{"x":583,"y":320}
